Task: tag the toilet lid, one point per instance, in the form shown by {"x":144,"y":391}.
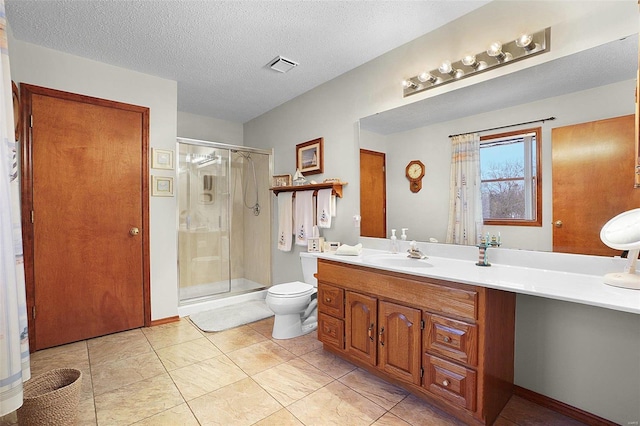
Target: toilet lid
{"x":295,"y":288}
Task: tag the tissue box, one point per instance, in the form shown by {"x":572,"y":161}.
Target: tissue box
{"x":315,"y":244}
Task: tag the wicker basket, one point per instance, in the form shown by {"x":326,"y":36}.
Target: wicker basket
{"x":51,"y":398}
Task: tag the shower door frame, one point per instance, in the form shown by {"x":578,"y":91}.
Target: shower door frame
{"x":231,"y":150}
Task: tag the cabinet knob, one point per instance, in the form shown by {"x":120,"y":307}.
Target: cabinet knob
{"x":445,"y":383}
{"x":328,"y":300}
{"x":447,"y":339}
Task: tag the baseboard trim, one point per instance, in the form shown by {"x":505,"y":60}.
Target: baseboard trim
{"x":164,"y":320}
{"x":561,"y":407}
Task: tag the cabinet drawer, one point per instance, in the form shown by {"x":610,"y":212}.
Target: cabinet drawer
{"x":331,"y":331}
{"x":450,"y":381}
{"x":454,"y":339}
{"x":331,"y":300}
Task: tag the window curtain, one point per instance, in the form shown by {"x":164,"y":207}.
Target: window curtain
{"x":14,"y":340}
{"x":465,"y":201}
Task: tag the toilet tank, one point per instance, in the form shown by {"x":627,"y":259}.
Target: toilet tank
{"x":309,"y":267}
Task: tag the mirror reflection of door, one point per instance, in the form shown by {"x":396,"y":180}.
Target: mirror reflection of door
{"x":593,"y":165}
{"x":373,"y":194}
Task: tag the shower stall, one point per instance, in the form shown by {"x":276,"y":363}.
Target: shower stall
{"x":224,"y":226}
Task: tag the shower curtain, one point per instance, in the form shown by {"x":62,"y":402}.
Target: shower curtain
{"x":14,"y":340}
{"x":465,"y":199}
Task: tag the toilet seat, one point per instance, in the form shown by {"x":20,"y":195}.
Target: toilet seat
{"x":292,"y":289}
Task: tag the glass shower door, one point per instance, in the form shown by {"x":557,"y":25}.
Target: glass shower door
{"x":203,"y":233}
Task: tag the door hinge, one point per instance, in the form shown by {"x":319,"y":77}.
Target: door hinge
{"x":33,"y":217}
{"x":33,"y":311}
{"x":421,"y":324}
{"x":421,"y":372}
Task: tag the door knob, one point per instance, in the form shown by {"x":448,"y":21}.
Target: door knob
{"x":557,"y":224}
{"x":134,"y":231}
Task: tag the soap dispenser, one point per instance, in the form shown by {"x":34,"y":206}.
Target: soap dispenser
{"x":403,"y":237}
{"x":394,"y":241}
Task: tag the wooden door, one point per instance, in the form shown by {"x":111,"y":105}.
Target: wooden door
{"x":373,"y":194}
{"x":593,"y":175}
{"x":85,"y":190}
{"x":361,"y":314}
{"x":399,"y":341}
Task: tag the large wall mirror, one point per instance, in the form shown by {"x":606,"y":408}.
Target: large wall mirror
{"x":592,"y":85}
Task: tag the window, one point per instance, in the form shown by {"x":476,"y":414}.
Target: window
{"x":510,"y":175}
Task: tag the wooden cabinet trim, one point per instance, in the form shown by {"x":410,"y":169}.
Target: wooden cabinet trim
{"x":451,"y":299}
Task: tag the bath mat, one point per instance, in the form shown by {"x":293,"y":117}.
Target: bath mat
{"x":230,"y":316}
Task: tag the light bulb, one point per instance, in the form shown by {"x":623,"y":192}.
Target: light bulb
{"x":408,"y":84}
{"x":427,"y":77}
{"x":525,"y":41}
{"x":495,"y":51}
{"x":470,"y":61}
{"x":445,"y":67}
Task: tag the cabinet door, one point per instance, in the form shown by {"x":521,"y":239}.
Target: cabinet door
{"x":360,"y":319}
{"x":399,"y":341}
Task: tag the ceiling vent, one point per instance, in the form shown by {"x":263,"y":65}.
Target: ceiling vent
{"x":281,"y":64}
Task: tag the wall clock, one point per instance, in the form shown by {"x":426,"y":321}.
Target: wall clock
{"x":415,"y":173}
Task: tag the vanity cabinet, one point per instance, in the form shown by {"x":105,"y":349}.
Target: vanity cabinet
{"x":449,"y":343}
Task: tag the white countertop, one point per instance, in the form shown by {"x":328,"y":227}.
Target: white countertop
{"x":553,"y":284}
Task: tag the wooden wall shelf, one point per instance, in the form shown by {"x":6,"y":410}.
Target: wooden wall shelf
{"x":336,"y":186}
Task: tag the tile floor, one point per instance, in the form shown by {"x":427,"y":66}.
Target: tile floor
{"x":174,"y":374}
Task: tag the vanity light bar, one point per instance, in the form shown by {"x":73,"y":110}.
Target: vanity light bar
{"x":496,"y":55}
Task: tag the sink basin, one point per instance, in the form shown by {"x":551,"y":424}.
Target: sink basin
{"x":396,"y":261}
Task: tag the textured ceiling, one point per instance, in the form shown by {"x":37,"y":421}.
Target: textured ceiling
{"x":217,"y":51}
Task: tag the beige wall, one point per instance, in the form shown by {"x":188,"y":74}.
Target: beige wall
{"x":193,"y":126}
{"x":332,"y":111}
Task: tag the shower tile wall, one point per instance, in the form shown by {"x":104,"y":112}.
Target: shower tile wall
{"x":257,"y":266}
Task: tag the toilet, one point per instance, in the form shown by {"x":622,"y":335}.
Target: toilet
{"x":295,"y":304}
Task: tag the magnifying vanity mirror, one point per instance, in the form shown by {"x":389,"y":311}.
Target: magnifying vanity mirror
{"x":579,"y":88}
{"x":623,"y":233}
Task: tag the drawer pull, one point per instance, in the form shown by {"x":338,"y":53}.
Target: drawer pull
{"x":328,"y":300}
{"x":370,"y":332}
{"x":380,"y":334}
{"x":447,"y":339}
{"x":445,"y":383}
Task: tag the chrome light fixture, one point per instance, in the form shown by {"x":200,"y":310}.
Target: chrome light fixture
{"x":497,"y":55}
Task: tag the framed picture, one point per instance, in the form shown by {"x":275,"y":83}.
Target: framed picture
{"x":161,"y":186}
{"x":309,"y":159}
{"x":281,"y":180}
{"x":161,"y":159}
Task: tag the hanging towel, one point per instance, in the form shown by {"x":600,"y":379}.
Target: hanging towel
{"x":334,"y":210}
{"x":285,"y":221}
{"x":303,"y":217}
{"x":324,"y":208}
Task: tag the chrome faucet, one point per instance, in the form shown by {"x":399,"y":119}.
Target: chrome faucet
{"x":414,"y":252}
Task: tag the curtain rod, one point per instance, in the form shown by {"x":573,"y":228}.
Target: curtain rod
{"x":508,"y":125}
